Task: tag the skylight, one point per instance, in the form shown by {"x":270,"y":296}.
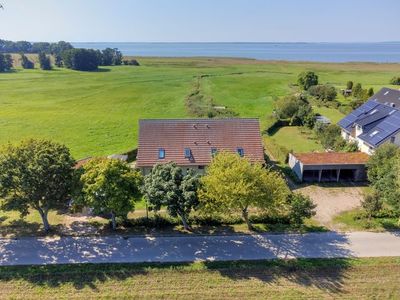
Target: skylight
{"x":188,"y":153}
{"x":161,"y":153}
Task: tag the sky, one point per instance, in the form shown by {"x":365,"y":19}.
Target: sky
{"x":200,"y":20}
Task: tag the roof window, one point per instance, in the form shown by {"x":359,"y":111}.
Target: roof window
{"x":161,"y":153}
{"x":240,"y":151}
{"x":214,"y":151}
{"x":188,"y":153}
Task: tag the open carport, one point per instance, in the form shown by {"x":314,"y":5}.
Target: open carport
{"x":329,"y":166}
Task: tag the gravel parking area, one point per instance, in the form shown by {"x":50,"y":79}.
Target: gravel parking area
{"x":332,"y":200}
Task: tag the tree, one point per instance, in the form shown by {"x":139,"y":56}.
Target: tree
{"x":6,"y":62}
{"x":35,"y":174}
{"x":109,"y":186}
{"x":370,"y":92}
{"x":26,"y":63}
{"x":323,"y":92}
{"x":44,"y":61}
{"x":296,"y":108}
{"x":383,"y":174}
{"x":167,"y":185}
{"x":81,"y":59}
{"x":111,"y":57}
{"x":328,"y":135}
{"x":300,"y":208}
{"x":349,"y":85}
{"x":307,"y":79}
{"x":58,"y":60}
{"x":234,"y":184}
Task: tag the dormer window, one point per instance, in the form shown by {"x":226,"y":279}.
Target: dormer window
{"x":161,"y":153}
{"x":240,"y":151}
{"x":188,"y":153}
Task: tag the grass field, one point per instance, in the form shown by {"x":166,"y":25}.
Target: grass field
{"x":97,"y":113}
{"x":376,"y":278}
{"x":297,"y":139}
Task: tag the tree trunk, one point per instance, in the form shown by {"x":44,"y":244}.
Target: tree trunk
{"x":184,"y":222}
{"x":245,"y":215}
{"x":43,"y":215}
{"x":113,"y":221}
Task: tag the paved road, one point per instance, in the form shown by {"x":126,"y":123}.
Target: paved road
{"x":115,"y":249}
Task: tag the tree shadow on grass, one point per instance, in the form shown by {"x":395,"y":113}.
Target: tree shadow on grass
{"x":324,"y":274}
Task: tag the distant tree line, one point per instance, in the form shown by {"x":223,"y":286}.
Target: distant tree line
{"x":28,"y":47}
{"x":65,"y":55}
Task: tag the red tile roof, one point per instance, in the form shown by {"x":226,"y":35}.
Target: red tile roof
{"x":332,"y":158}
{"x":200,"y":135}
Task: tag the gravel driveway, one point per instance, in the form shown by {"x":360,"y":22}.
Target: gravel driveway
{"x":332,"y":200}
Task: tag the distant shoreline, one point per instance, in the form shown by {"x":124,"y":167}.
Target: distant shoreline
{"x":379,"y":52}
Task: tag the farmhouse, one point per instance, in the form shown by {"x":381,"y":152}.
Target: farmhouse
{"x":329,"y":166}
{"x":374,"y":123}
{"x":191,"y":143}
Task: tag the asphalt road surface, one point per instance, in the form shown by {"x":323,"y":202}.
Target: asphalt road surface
{"x":117,"y":249}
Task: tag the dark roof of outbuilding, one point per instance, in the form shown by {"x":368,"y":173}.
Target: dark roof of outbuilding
{"x":200,"y":136}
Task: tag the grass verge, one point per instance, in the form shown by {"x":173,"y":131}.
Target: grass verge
{"x":356,"y":220}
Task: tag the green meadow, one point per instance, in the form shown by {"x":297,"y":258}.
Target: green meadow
{"x":97,"y":113}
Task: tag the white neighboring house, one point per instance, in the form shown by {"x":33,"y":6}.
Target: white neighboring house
{"x":374,"y":123}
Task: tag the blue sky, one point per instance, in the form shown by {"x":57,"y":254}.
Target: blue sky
{"x":201,"y":20}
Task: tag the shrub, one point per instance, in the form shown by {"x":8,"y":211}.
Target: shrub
{"x":371,"y":204}
{"x":130,"y":62}
{"x":323,"y":92}
{"x":300,"y":208}
{"x":395,"y":81}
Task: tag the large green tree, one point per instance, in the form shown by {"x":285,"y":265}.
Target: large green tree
{"x":307,"y":79}
{"x":82,"y":59}
{"x":35,"y":174}
{"x":234,"y":184}
{"x":384,"y":175}
{"x":168,"y":186}
{"x":109,"y":186}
